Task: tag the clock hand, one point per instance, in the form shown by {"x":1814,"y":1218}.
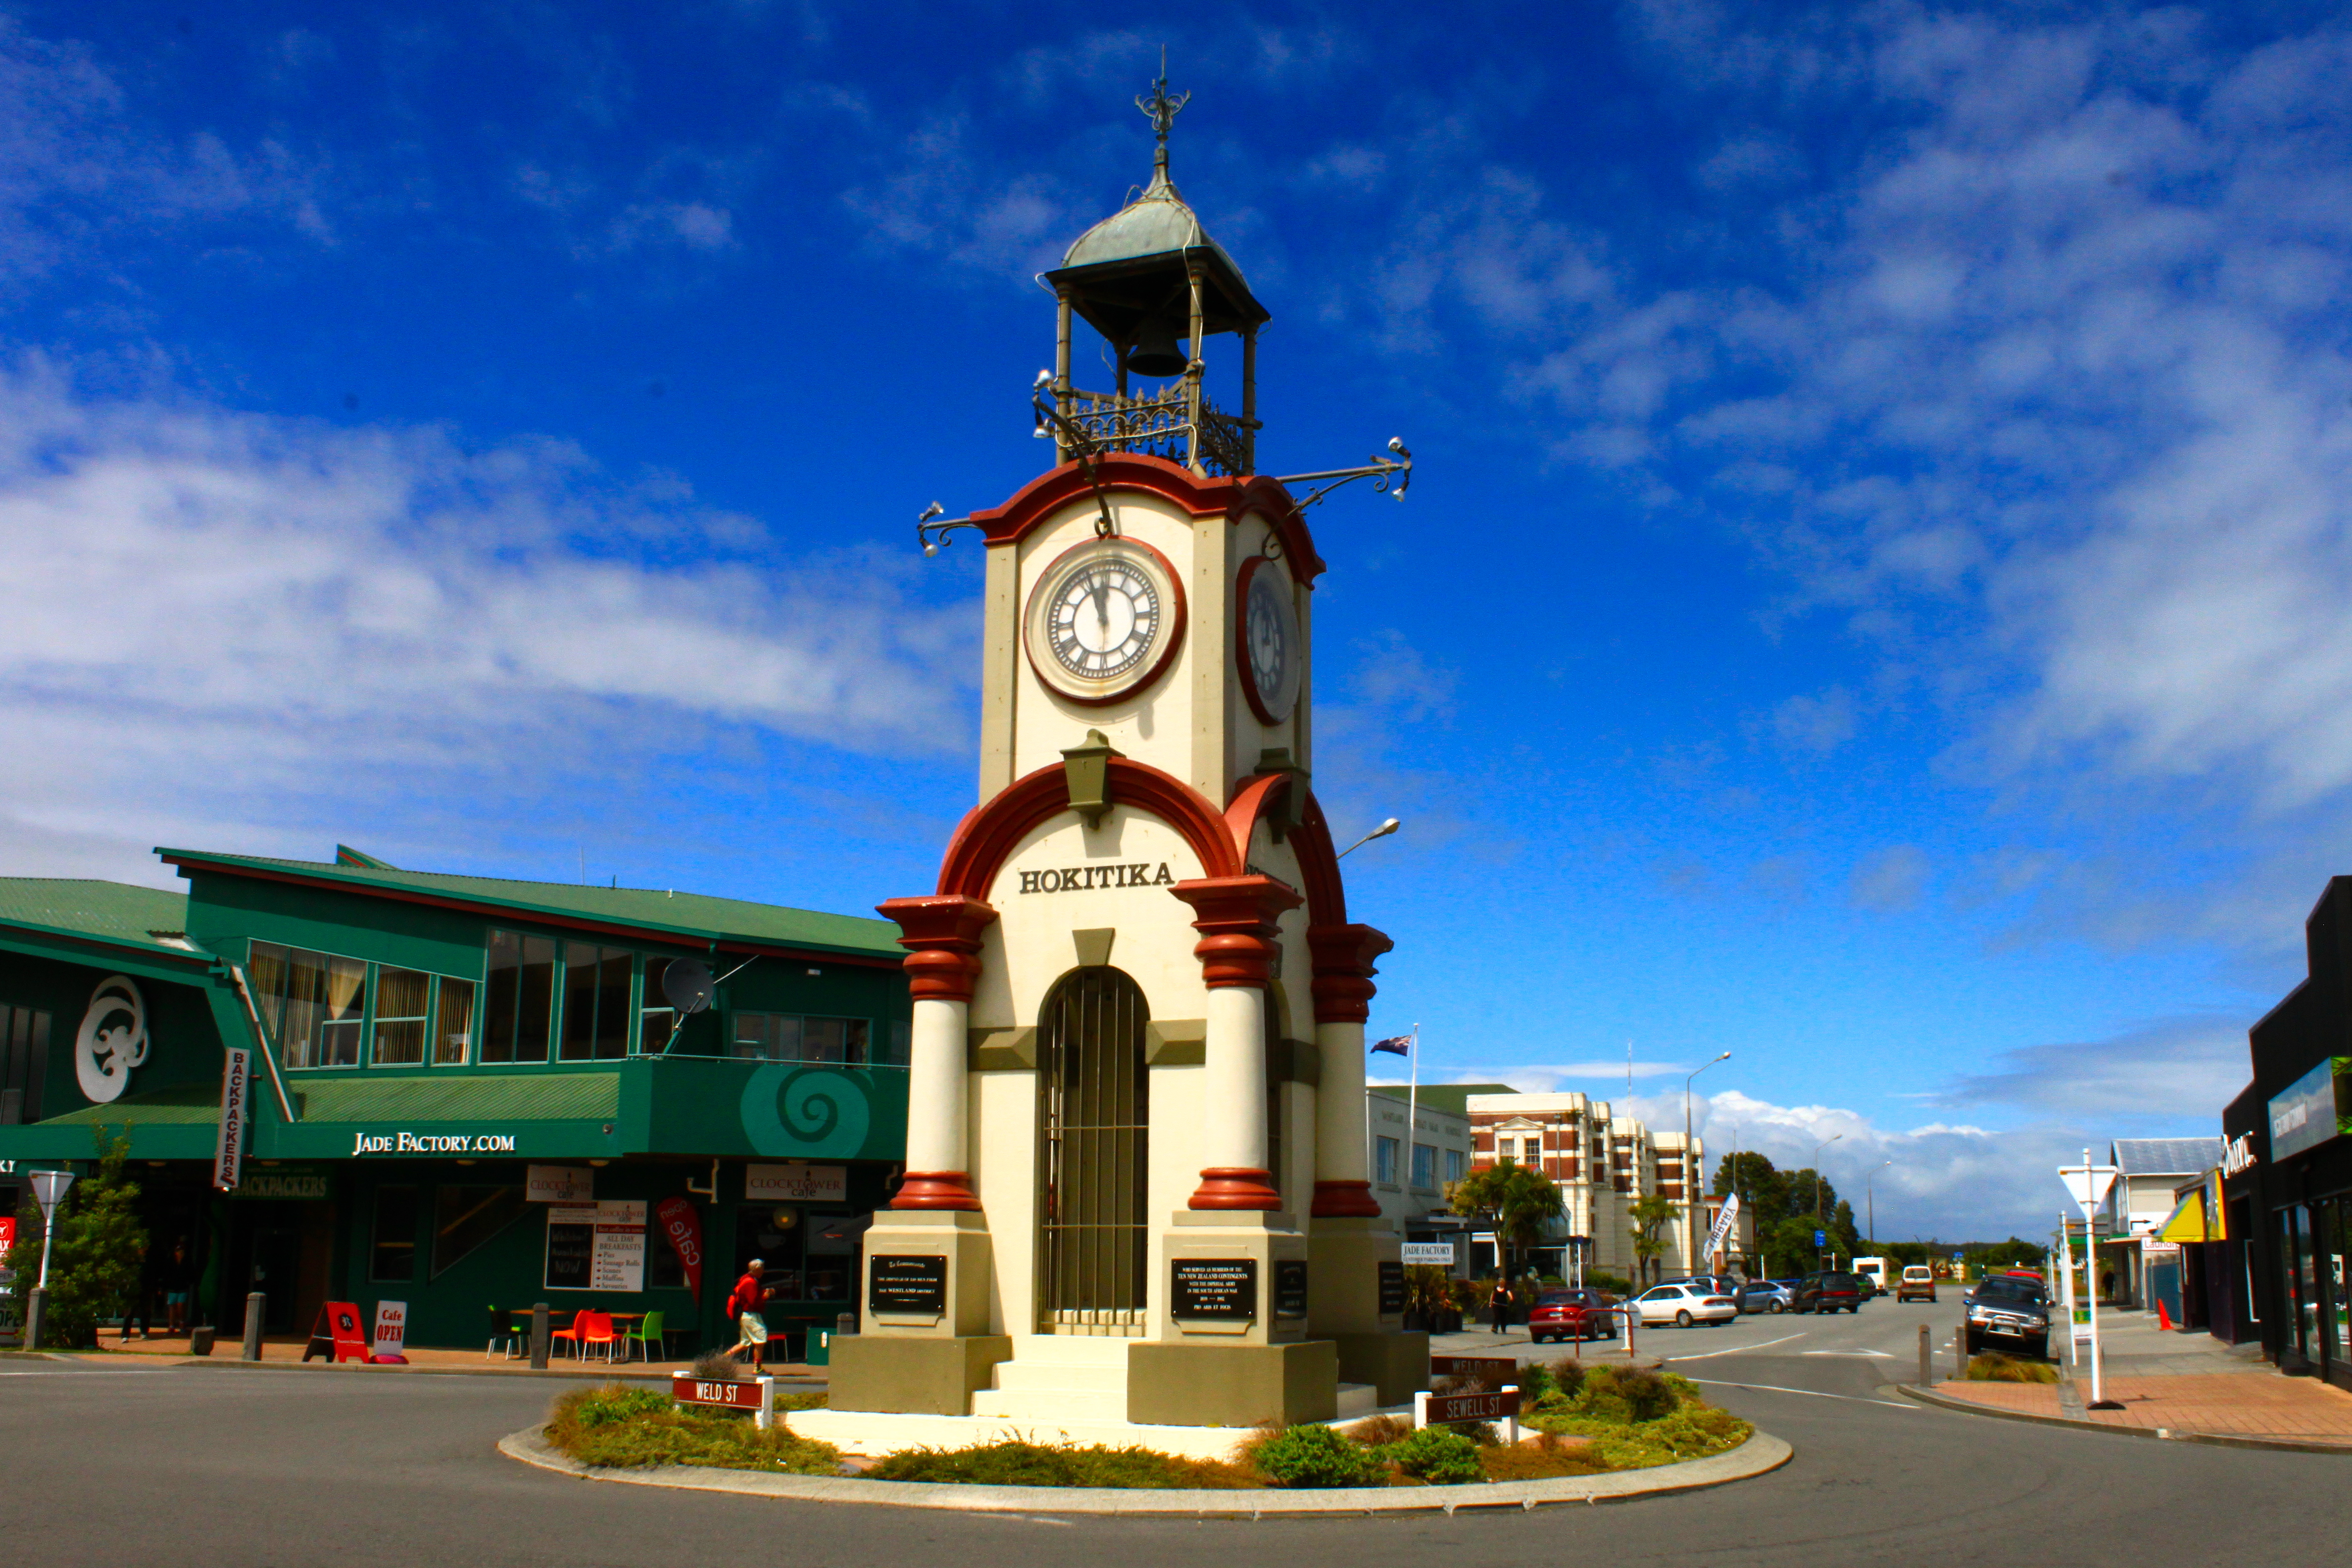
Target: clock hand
{"x":1102,"y":605}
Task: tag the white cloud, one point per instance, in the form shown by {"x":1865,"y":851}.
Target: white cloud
{"x":2174,"y":1070}
{"x":243,"y":616}
{"x":1892,"y":879}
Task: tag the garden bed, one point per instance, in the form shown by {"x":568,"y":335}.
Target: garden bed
{"x":1584,"y":1422}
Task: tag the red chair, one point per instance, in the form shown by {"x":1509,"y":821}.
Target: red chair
{"x":597,"y":1330}
{"x":587,"y":1327}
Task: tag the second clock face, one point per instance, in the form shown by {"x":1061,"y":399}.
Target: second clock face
{"x":1103,"y":619}
{"x":1272,"y":652}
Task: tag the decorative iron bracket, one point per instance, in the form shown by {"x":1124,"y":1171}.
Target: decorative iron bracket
{"x":933,"y":536}
{"x":1389,"y":475}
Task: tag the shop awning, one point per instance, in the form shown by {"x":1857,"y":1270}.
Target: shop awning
{"x":2187,"y":1221}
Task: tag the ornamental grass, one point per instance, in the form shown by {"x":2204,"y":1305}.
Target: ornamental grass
{"x":1994,"y":1367}
{"x":620,"y":1427}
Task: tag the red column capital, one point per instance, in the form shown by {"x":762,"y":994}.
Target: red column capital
{"x":1236,"y":916}
{"x":1343,"y":957}
{"x":941,"y":935}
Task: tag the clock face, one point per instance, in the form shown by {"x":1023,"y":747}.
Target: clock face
{"x":1272,"y":652}
{"x":1104,"y":619}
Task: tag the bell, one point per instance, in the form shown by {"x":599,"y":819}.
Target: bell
{"x":1155,"y":352}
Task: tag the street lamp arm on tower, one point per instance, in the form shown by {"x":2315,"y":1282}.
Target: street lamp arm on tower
{"x":1382,"y":831}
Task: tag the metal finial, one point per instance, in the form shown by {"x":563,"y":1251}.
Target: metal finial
{"x":1162,"y":109}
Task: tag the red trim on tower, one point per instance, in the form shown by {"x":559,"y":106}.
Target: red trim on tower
{"x":941,"y":936}
{"x":1236,"y":1188}
{"x":1344,"y":956}
{"x":1345,"y":1200}
{"x":935,"y":1190}
{"x":1050,"y":492}
{"x":990,"y":831}
{"x":1311,"y":843}
{"x":1236,"y":916}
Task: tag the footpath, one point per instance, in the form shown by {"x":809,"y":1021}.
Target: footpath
{"x":283,"y":1353}
{"x":2171,"y":1383}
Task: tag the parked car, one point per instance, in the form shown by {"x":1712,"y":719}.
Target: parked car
{"x":1575,"y":1314}
{"x":1918,"y":1284}
{"x":1763,"y":1296}
{"x":2013,"y":1311}
{"x":1828,"y":1293}
{"x":1684,"y":1305}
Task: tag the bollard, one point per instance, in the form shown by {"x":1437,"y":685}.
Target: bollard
{"x":1926,"y":1358}
{"x":1421,"y":1410}
{"x":200,"y":1340}
{"x":1960,"y":1350}
{"x":539,"y":1337}
{"x":1511,"y":1421}
{"x":257,"y":1307}
{"x":36,"y":1308}
{"x":844,"y":1324}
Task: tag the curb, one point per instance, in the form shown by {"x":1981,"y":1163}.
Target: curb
{"x":605,"y":1374}
{"x":2155,"y":1434}
{"x":1760,"y":1454}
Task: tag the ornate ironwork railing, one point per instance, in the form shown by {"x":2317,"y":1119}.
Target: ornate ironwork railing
{"x":1157,"y":422}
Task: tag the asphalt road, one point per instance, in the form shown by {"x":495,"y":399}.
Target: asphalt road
{"x":215,"y":1465}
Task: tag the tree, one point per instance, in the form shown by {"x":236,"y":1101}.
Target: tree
{"x":100,"y":1244}
{"x":1515,"y":1200}
{"x":1650,"y":1216}
{"x":1844,"y":1235}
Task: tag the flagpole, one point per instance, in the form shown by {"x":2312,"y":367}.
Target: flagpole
{"x":1412,"y":1111}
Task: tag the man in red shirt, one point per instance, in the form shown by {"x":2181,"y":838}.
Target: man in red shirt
{"x":743,"y":1304}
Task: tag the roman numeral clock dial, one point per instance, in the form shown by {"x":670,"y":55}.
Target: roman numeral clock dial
{"x":1103,"y":620}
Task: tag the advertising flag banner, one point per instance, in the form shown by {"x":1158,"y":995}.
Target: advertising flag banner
{"x":1723,"y":1224}
{"x":682,"y":1228}
{"x":236,"y":1112}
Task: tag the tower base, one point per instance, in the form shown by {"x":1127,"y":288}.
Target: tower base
{"x":1396,"y":1363}
{"x":1232,"y":1385}
{"x":911,"y":1375}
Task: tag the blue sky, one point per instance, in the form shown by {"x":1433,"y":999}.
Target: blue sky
{"x":1871,"y":600}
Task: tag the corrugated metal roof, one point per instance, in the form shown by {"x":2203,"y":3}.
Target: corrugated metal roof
{"x":498,"y":1096}
{"x":692,"y":915}
{"x":2167,"y":1156}
{"x":183,"y":1104}
{"x":115,"y":912}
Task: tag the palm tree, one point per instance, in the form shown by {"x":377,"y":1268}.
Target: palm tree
{"x":1650,"y":1216}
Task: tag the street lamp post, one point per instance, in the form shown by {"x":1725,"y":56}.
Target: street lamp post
{"x":1690,"y":1174}
{"x":1871,"y":1198}
{"x":1817,"y":1190}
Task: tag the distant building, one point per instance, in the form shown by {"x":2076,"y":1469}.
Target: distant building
{"x":1412,"y":1176}
{"x":2148,"y":1170}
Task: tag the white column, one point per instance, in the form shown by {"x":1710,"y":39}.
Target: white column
{"x":1234,"y":1080}
{"x":1339,"y":1152}
{"x":936,"y":1107}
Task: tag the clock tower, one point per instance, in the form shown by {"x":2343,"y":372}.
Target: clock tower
{"x":1136,"y":1188}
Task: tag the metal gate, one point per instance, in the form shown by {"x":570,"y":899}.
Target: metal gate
{"x":1093,"y":1124}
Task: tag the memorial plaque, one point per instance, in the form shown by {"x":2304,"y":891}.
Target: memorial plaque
{"x":914,"y":1284}
{"x":1392,"y":1288}
{"x":1290,"y":1289}
{"x":1224,"y":1287}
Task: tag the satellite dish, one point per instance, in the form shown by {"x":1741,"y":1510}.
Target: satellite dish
{"x":687,"y":984}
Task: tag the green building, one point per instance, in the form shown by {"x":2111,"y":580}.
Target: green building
{"x":464,"y":1093}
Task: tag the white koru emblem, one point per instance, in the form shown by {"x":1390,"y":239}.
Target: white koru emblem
{"x":114,"y":1039}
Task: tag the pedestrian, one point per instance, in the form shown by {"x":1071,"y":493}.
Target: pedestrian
{"x":743,"y":1304}
{"x":179,"y":1279}
{"x":2107,"y":1285}
{"x":1499,"y":1303}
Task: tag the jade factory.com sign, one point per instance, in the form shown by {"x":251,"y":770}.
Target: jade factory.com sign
{"x":2315,"y":1108}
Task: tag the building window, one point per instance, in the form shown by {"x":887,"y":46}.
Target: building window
{"x":453,"y":1021}
{"x":402,"y":999}
{"x":1455,"y":1162}
{"x":25,"y":1044}
{"x":466,"y":1218}
{"x":392,"y":1250}
{"x":595,"y":1003}
{"x":789,"y":1037}
{"x":315,"y":1004}
{"x":522,"y":997}
{"x":1424,"y":1168}
{"x":1384,"y":1161}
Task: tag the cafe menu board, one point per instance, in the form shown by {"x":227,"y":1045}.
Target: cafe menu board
{"x":1392,"y":1288}
{"x":597,"y":1246}
{"x":1216,"y":1287}
{"x":1290,"y":1287}
{"x":912,"y":1284}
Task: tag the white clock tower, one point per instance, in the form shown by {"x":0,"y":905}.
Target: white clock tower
{"x":1136,"y":1190}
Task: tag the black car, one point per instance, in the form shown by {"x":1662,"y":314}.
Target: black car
{"x":2012,"y":1310}
{"x":1828,"y":1293}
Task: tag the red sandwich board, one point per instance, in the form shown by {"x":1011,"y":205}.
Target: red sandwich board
{"x":338,"y":1334}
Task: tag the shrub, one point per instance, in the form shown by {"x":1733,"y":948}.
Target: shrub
{"x":100,"y":1244}
{"x":1379,"y":1431}
{"x":1434,"y":1455}
{"x":604,"y":1407}
{"x":1315,"y":1456}
{"x":718,"y":1366}
{"x":1548,"y":1456}
{"x":1994,"y":1367}
{"x":1625,"y":1393}
{"x":1564,"y":1377}
{"x":1018,"y":1464}
{"x":626,"y":1428}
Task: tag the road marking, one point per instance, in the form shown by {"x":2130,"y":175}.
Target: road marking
{"x":1813,"y":1393}
{"x":1736,"y":1350}
{"x":1890,"y":1355}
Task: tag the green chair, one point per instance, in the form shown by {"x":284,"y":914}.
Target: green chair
{"x":648,"y":1335}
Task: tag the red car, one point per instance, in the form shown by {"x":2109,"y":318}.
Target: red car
{"x":1573,"y":1313}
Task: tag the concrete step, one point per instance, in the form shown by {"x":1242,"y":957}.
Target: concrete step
{"x":1084,"y":1350}
{"x":1359,"y":1399}
{"x":1051,"y":1406}
{"x":1040,"y":1376}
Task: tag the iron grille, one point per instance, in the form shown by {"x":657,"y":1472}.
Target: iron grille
{"x":1093,"y":1123}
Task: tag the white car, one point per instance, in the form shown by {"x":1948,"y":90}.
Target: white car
{"x":1684,"y":1305}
